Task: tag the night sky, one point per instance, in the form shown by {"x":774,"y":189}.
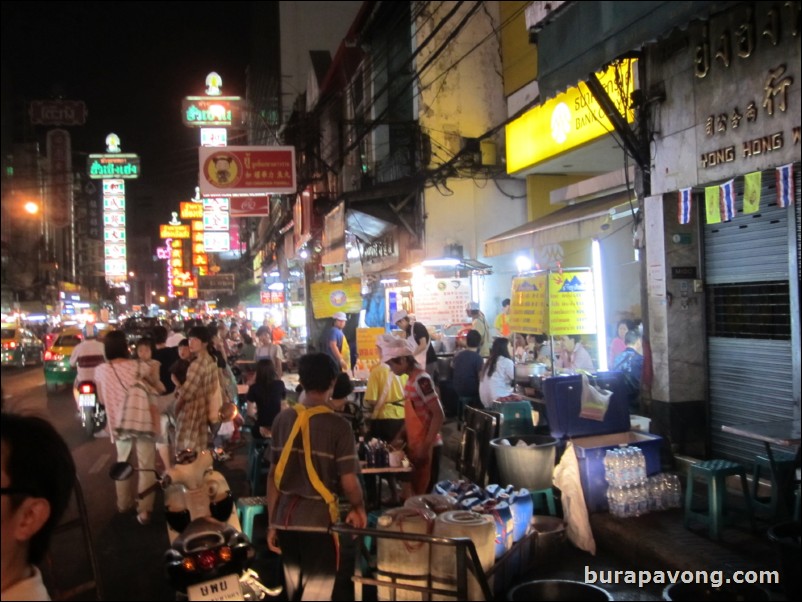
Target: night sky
{"x":131,"y":63}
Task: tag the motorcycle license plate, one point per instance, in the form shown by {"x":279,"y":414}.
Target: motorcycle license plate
{"x":222,"y":588}
{"x":86,"y":400}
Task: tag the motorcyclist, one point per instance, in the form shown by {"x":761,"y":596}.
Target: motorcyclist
{"x":86,"y":356}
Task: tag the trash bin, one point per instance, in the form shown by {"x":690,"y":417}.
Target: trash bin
{"x":558,"y":589}
{"x":693,"y":592}
{"x":785,"y":537}
{"x":526,"y":467}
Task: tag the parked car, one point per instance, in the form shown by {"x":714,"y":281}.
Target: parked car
{"x":57,"y":359}
{"x":20,"y":347}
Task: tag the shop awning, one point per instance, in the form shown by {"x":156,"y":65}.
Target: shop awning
{"x":574,"y":222}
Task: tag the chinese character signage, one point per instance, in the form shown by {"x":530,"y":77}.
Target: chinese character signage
{"x":59,"y":159}
{"x":114,"y":165}
{"x":114,"y":239}
{"x":247,"y":170}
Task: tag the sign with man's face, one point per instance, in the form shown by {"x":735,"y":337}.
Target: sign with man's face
{"x":247,"y":170}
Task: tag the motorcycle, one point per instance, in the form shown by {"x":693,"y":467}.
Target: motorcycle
{"x":93,"y":413}
{"x":209,"y":554}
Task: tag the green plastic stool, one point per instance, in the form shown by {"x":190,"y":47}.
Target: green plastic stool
{"x":785,"y":465}
{"x":714,"y":473}
{"x":544,"y":496}
{"x":247,"y":509}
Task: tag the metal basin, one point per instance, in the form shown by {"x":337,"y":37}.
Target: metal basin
{"x":558,"y":589}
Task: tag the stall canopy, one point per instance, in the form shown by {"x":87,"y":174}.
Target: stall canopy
{"x":574,"y":222}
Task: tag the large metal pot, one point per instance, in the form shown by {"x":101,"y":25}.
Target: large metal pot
{"x":524,"y":372}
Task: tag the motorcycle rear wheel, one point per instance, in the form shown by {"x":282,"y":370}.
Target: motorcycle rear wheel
{"x":88,"y":421}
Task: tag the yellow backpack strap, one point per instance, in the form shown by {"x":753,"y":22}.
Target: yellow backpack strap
{"x":302,"y":425}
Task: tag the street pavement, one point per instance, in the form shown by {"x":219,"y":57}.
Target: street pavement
{"x":130,"y":555}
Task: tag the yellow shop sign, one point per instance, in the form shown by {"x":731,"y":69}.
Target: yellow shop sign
{"x":568,"y":120}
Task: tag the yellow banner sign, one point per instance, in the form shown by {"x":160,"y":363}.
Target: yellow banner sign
{"x":572,"y":304}
{"x":330,"y":297}
{"x":172,"y":231}
{"x":528,"y":305}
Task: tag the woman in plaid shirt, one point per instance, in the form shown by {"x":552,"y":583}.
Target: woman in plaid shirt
{"x":192,"y":430}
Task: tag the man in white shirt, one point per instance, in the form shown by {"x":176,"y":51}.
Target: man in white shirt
{"x":87,"y":355}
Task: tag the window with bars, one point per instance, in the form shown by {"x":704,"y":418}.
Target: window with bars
{"x":759,"y":310}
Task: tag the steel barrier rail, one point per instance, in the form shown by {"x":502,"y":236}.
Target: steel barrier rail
{"x":467,"y":560}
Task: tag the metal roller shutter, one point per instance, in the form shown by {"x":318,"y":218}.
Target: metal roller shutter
{"x":749,"y":319}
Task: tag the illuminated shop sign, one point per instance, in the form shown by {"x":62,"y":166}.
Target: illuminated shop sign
{"x":220,"y":111}
{"x":568,"y":121}
{"x":191,"y":210}
{"x":114,"y":165}
{"x":173,"y":231}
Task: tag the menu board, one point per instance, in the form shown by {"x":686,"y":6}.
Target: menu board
{"x":555,"y":303}
{"x":572,"y":304}
{"x":528,"y":304}
{"x":441,"y":301}
{"x":367,"y":353}
{"x":330,"y":297}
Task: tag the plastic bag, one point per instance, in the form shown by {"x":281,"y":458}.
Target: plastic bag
{"x":566,"y":478}
{"x":595,"y":401}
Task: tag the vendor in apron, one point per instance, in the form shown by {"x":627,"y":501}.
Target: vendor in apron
{"x":423,"y":413}
{"x":313,"y":457}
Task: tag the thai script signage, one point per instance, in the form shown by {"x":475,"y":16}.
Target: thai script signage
{"x":554,"y":303}
{"x":218,"y":111}
{"x":57,"y":112}
{"x":190,"y":210}
{"x":117,"y":165}
{"x":174,"y":231}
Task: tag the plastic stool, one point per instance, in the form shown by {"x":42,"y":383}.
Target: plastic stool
{"x":546,"y":495}
{"x":785,"y":465}
{"x":247,"y":509}
{"x":714,"y":473}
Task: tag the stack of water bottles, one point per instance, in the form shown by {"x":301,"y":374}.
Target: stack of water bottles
{"x":630,"y":492}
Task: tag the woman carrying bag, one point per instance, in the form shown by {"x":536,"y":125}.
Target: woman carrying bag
{"x":116,"y":382}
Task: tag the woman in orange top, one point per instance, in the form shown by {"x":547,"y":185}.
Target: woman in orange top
{"x":423,"y":414}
